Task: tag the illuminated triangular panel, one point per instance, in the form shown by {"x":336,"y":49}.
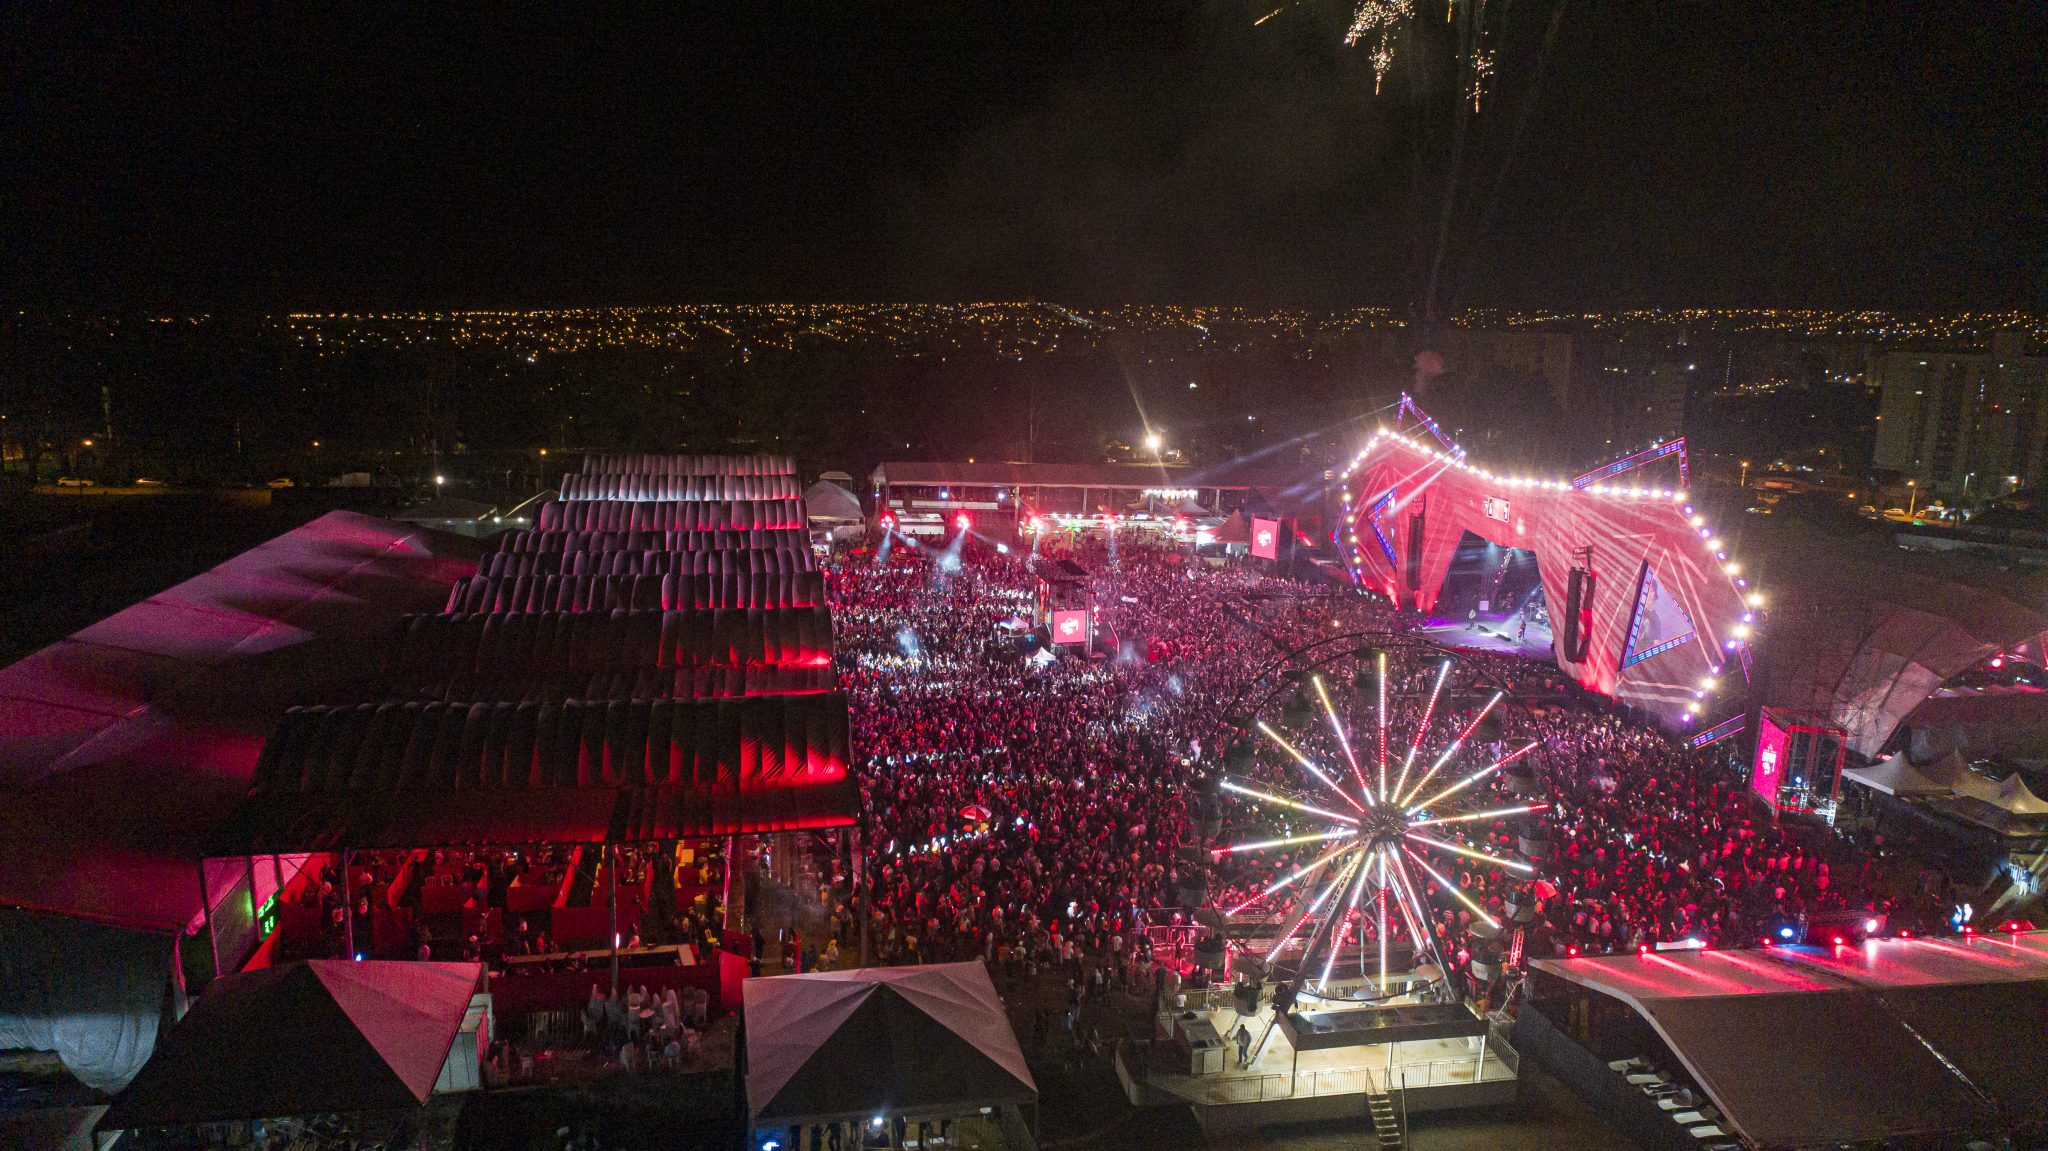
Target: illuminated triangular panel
{"x":1659,"y":623}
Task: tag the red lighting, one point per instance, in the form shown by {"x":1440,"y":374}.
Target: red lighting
{"x":1571,"y":951}
{"x":1767,"y":941}
{"x":1838,"y":941}
{"x":1643,"y":949}
{"x":963,"y":522}
{"x":1905,"y":935}
{"x":1969,"y":930}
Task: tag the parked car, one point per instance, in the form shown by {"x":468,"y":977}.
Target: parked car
{"x":73,"y":482}
{"x":146,"y":482}
{"x":280,"y":482}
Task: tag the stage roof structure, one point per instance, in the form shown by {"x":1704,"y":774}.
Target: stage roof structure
{"x":1805,"y":1046}
{"x":305,"y":1038}
{"x":1646,"y":601}
{"x":850,"y":1045}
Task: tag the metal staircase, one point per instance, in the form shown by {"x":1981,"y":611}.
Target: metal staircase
{"x":1389,"y":1132}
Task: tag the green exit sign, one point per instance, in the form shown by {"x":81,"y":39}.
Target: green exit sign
{"x":266,"y":917}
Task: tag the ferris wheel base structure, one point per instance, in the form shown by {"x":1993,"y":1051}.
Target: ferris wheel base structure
{"x":1645,"y":603}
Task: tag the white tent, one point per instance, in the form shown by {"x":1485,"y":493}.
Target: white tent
{"x":1896,"y":777}
{"x":2015,"y":797}
{"x":828,"y":502}
{"x":881,"y":1041}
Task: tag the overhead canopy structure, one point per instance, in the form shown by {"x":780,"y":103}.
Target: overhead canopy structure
{"x":1863,"y":631}
{"x":851,"y":1045}
{"x":124,"y":747}
{"x":827,"y":502}
{"x":392,"y":775}
{"x":1811,"y":1046}
{"x":307,"y":1038}
{"x":1896,"y":777}
{"x":2004,"y":725}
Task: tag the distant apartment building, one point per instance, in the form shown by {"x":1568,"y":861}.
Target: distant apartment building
{"x":1965,"y":423}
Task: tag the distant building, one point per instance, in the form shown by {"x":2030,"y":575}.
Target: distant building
{"x":1965,"y":423}
{"x":1492,"y":354}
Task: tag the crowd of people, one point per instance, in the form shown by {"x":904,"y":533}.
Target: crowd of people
{"x":1043,"y":814}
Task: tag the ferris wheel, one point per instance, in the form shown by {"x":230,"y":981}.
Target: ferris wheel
{"x":1379,"y":763}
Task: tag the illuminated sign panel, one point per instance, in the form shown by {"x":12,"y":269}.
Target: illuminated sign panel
{"x":1070,"y":626}
{"x":1496,"y":508}
{"x":1266,"y":539}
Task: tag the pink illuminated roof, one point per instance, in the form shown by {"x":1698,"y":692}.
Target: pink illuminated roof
{"x":124,"y":745}
{"x":1800,"y":1046}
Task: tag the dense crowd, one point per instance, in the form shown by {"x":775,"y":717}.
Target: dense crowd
{"x":1040,"y":814}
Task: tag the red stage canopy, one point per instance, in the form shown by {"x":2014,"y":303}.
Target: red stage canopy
{"x":1662,"y":612}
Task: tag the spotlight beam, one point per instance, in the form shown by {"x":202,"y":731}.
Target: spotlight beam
{"x":1308,"y":763}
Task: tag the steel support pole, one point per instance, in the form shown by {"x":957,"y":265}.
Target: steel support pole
{"x":348,"y":906}
{"x":611,"y":875}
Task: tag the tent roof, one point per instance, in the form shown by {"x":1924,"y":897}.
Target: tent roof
{"x":305,"y":1038}
{"x":880,"y":1041}
{"x":1234,"y":475}
{"x":1896,"y":776}
{"x":393,"y":775}
{"x":829,"y":501}
{"x":1235,"y":530}
{"x":2014,"y":796}
{"x":1806,"y":1045}
{"x":123,"y":746}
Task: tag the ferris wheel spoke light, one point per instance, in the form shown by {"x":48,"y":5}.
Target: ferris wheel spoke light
{"x":1452,"y":750}
{"x":1382,"y":677}
{"x":1469,"y":853}
{"x":1290,"y":841}
{"x":1406,"y":900}
{"x":1283,"y":801}
{"x":1294,"y":876}
{"x":1457,"y":892}
{"x":1310,"y":764}
{"x":1496,"y":813}
{"x":1422,"y":729}
{"x":1343,"y":741}
{"x":1475,"y":777}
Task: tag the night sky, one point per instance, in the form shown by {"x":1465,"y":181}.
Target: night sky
{"x":1677,"y":153}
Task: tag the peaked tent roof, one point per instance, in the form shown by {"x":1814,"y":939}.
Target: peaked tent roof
{"x":829,"y":501}
{"x":1896,"y":776}
{"x":851,"y":1044}
{"x":2014,"y":796}
{"x":305,"y":1038}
